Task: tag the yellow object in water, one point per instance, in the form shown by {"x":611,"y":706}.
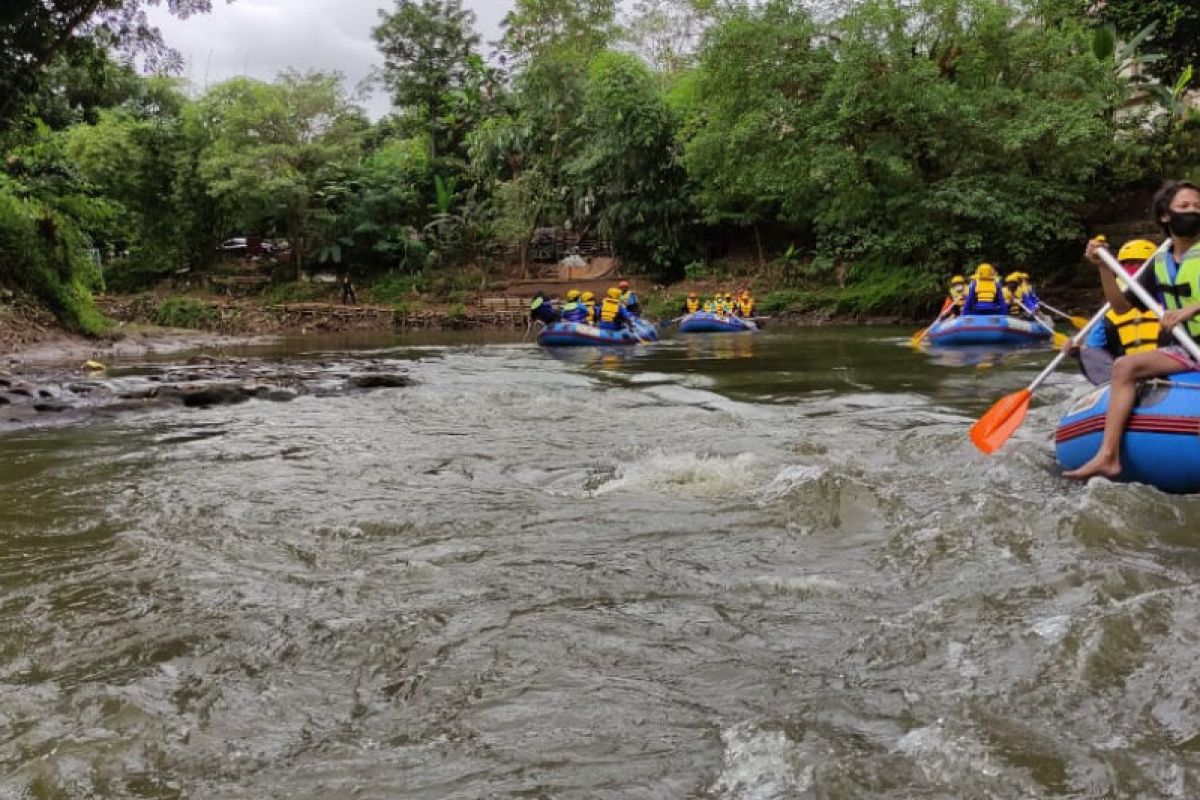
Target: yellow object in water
{"x":93,"y":366}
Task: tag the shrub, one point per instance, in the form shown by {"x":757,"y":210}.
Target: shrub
{"x":186,"y":312}
{"x":44,"y":253}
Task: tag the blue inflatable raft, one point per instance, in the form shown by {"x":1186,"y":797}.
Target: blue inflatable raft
{"x":580,"y":334}
{"x":987,"y":329}
{"x":1161,"y":445}
{"x":708,"y":322}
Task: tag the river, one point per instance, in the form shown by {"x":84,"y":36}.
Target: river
{"x":715,"y":567}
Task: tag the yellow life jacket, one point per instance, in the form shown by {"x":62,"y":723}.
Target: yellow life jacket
{"x":1137,"y":331}
{"x":608,"y":311}
{"x":692,"y":304}
{"x":986,"y":290}
{"x":708,"y":306}
{"x":591,"y":312}
{"x":747,"y":307}
{"x":1184,"y":291}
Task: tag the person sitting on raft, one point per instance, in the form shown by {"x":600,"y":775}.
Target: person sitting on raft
{"x":541,"y":309}
{"x":613,"y":314}
{"x":1012,"y":294}
{"x":589,"y":303}
{"x":574,"y":311}
{"x":957,"y":294}
{"x":1025,"y":293}
{"x":745,"y":304}
{"x":1135,"y":331}
{"x":1174,"y":280}
{"x":984,"y":295}
{"x":692,"y":304}
{"x":629,"y":299}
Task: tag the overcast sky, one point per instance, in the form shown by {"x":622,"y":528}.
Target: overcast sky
{"x":260,"y":38}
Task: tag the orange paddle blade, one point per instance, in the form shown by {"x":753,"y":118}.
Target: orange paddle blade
{"x":915,"y":341}
{"x":993,"y":429}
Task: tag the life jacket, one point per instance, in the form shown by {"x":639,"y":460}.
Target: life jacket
{"x":629,"y":298}
{"x":574,"y":311}
{"x":692,"y":304}
{"x":542,"y":309}
{"x":590,"y":308}
{"x":985,"y":297}
{"x":1135,"y":331}
{"x":1184,"y":290}
{"x":610,"y":311}
{"x":747,"y":307}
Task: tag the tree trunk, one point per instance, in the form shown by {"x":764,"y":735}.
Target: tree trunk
{"x":758,"y":242}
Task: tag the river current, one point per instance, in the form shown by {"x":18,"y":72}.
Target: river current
{"x":744,"y":567}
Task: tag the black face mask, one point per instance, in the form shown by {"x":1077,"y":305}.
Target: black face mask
{"x":1185,"y":224}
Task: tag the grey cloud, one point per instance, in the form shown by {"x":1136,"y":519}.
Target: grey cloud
{"x":261,"y":38}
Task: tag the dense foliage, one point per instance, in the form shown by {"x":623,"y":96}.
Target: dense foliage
{"x":858,"y":158}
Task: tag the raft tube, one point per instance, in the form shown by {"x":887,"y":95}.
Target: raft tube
{"x":708,"y":322}
{"x":1160,"y":445}
{"x":580,"y":334}
{"x":993,"y":329}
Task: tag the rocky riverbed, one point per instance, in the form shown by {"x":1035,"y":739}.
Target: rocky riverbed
{"x":39,"y":396}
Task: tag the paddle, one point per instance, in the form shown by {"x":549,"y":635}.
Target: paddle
{"x":1179,"y":331}
{"x":998,"y":423}
{"x":668,"y":322}
{"x":1078,"y":322}
{"x":1058,"y":338}
{"x":917,"y":337}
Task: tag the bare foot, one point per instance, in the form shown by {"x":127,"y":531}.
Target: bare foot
{"x":1109,"y":467}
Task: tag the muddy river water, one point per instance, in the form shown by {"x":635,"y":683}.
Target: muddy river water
{"x":749,"y":567}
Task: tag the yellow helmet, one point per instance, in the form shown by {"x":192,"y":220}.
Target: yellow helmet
{"x":1136,"y":250}
{"x":691,"y":294}
{"x":587,"y":297}
{"x":572,"y":295}
{"x":957,"y":279}
{"x":986,"y":271}
{"x":614,"y":293}
{"x":1013,"y":277}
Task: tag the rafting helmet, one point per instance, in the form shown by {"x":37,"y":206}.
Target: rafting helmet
{"x":957,"y":279}
{"x":572,"y":295}
{"x":692,"y":295}
{"x":1136,"y":250}
{"x":1013,"y":277}
{"x":623,"y":284}
{"x":614,"y":293}
{"x":587,"y":297}
{"x":986,"y":271}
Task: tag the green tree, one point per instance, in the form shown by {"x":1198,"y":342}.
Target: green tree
{"x":35,"y":34}
{"x":273,"y":152}
{"x":388,"y":207}
{"x":432,"y":68}
{"x":1175,"y":36}
{"x":953,"y":130}
{"x":748,"y":109}
{"x":626,"y":165}
{"x":537,"y":27}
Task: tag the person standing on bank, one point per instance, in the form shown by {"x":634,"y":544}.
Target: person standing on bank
{"x":1174,"y":280}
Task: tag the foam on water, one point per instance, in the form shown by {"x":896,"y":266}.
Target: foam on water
{"x":686,"y":474}
{"x":759,"y":765}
